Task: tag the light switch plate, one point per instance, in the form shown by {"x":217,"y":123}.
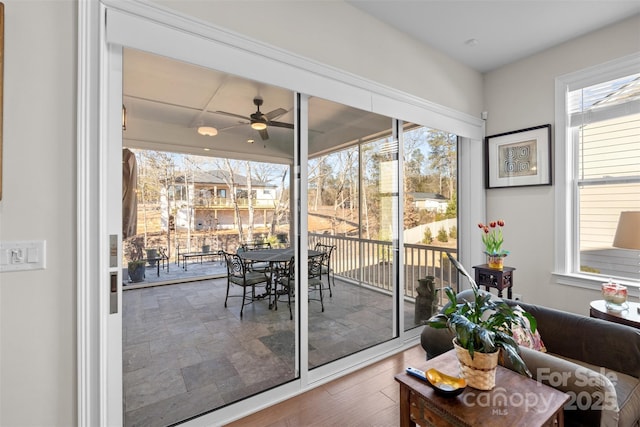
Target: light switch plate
{"x":23,"y":255}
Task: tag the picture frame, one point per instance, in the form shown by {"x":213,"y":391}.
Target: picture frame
{"x":520,"y":158}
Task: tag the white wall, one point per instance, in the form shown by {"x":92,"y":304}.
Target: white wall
{"x":37,"y":309}
{"x":521,"y":95}
{"x":337,"y":34}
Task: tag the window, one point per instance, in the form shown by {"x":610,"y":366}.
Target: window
{"x":598,"y":159}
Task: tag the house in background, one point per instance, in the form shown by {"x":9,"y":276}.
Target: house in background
{"x":432,"y":202}
{"x":204,"y":201}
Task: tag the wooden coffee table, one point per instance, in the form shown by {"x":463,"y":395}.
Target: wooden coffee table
{"x":515,"y":400}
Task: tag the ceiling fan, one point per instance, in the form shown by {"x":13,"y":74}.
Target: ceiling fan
{"x":259,"y":120}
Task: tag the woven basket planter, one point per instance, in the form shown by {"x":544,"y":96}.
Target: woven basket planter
{"x":479,"y":372}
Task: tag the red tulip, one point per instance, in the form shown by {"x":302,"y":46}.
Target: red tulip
{"x":480,"y":225}
{"x":486,"y":229}
{"x":492,"y":224}
{"x":501,"y":223}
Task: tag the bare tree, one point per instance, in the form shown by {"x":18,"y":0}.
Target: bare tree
{"x":319,"y":171}
{"x":157,"y":178}
{"x":443,"y":159}
{"x":231,"y":183}
{"x":279,"y":202}
{"x":249,"y":201}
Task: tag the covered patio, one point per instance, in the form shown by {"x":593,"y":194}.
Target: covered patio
{"x":185,"y":353}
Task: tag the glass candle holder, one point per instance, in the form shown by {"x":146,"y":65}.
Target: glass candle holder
{"x":614,"y":295}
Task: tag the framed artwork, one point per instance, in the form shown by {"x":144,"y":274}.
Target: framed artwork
{"x":519,"y":158}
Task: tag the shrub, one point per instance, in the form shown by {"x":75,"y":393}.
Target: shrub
{"x":442,"y":235}
{"x":428,"y":237}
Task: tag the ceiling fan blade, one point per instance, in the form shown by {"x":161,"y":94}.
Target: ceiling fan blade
{"x":281,"y":125}
{"x":264,"y":134}
{"x":275,"y":113}
{"x":238,"y":116}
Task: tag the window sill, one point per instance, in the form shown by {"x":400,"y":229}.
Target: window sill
{"x":586,"y":281}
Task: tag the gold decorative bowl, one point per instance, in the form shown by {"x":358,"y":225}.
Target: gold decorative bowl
{"x":444,"y":384}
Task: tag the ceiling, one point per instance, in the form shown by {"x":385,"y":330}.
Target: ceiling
{"x":167,"y":100}
{"x":504,"y":30}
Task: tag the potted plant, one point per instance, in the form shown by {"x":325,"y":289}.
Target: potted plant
{"x":152,"y":253}
{"x":206,"y":247}
{"x":492,"y":239}
{"x":134,"y":250}
{"x":482,"y":328}
{"x":210,"y":234}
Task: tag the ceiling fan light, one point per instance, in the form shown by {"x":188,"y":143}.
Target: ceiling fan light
{"x":207,"y":131}
{"x":258,"y":126}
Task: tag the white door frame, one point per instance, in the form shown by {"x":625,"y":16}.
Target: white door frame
{"x":284,"y":69}
{"x":99,"y":265}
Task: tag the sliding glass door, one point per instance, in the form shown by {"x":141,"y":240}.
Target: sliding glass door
{"x":202,"y":355}
{"x":207,"y":181}
{"x":430,"y":172}
{"x":353,"y":216}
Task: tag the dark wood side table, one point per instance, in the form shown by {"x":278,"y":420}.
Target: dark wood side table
{"x":492,"y":278}
{"x":629,"y":317}
{"x":515,"y":400}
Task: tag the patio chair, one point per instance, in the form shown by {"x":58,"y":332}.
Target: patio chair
{"x":327,"y":269}
{"x":287,"y":282}
{"x":260,"y":267}
{"x":316,"y":264}
{"x":239,"y":274}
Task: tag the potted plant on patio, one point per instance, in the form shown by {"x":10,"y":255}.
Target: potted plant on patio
{"x":482,"y":328}
{"x":134,"y":250}
{"x":206,"y":247}
{"x":152,"y":253}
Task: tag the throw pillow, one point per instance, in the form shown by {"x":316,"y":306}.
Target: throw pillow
{"x":524,"y":336}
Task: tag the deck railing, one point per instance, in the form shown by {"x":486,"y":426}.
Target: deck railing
{"x":222,"y":202}
{"x":370,"y":263}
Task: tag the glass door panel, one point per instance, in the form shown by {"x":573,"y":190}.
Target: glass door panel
{"x":187,"y":349}
{"x":352,"y":215}
{"x":430,"y":219}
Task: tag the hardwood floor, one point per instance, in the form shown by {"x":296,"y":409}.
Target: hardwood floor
{"x":368,"y":397}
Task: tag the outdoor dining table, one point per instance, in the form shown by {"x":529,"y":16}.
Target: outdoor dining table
{"x":274,"y":257}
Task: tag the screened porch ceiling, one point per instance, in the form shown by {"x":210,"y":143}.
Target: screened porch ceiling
{"x":167,"y":100}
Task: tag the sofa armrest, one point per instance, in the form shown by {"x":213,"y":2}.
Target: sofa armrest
{"x":436,"y":341}
{"x":594,"y":341}
{"x":592,"y":395}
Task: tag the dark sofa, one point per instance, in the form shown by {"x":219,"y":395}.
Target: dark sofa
{"x":594,"y":361}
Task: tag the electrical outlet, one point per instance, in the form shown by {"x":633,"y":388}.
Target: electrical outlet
{"x":517,"y":297}
{"x":23,"y":255}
